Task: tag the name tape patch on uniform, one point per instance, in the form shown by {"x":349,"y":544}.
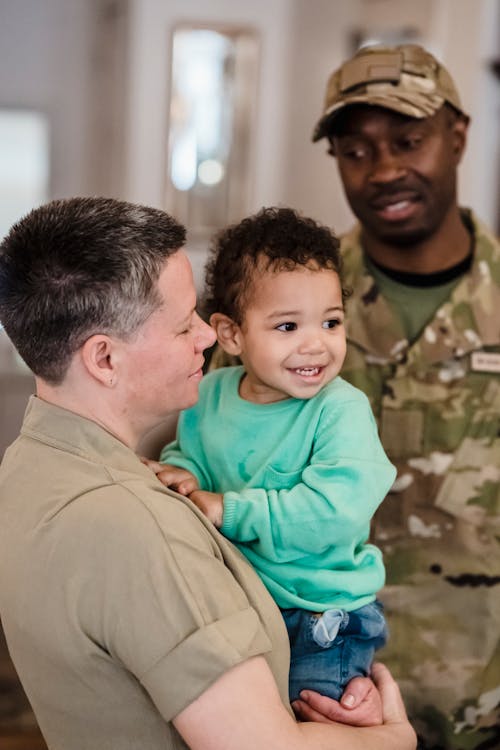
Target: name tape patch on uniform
{"x":485,"y":361}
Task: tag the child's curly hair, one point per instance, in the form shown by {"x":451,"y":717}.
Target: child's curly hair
{"x":279,"y":239}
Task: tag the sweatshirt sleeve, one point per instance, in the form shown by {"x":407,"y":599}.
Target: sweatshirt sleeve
{"x":186,"y":451}
{"x":346,"y":479}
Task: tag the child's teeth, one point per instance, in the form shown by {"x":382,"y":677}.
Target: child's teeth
{"x":308,"y":370}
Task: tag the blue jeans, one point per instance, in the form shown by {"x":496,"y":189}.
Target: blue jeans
{"x":329,"y":649}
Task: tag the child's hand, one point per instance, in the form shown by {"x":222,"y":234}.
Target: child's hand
{"x":180,"y":480}
{"x":211,"y":504}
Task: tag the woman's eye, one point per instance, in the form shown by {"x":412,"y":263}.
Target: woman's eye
{"x":287,"y":327}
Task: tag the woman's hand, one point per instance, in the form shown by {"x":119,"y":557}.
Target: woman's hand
{"x":360,"y":705}
{"x":325,"y":710}
{"x":364,"y":703}
{"x":393,"y":708}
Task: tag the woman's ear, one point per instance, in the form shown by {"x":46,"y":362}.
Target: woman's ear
{"x":228,"y":333}
{"x":97,"y":355}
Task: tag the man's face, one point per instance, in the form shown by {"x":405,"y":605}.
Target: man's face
{"x":163,"y":360}
{"x":399,"y":173}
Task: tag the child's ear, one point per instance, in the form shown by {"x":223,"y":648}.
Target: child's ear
{"x":228,"y":333}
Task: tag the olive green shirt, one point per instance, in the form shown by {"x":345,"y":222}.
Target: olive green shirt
{"x":120,"y":602}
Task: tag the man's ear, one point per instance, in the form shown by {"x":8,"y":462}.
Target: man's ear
{"x":459,"y":136}
{"x":98,"y":357}
{"x":332,"y":146}
{"x":228,"y":333}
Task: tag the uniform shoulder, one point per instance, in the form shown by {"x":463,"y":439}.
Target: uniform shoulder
{"x":134,"y":512}
{"x":353,"y":265}
{"x":487,"y":244}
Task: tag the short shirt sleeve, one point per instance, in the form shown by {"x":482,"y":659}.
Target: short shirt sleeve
{"x":168,"y":606}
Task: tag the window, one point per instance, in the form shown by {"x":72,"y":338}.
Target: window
{"x":212,"y":108}
{"x":24,"y":160}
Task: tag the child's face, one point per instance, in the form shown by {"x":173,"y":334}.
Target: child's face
{"x":292,"y":337}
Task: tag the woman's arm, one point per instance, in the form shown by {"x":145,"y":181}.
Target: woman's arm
{"x":242,"y":710}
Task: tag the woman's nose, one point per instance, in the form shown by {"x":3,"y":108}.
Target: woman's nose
{"x":205,"y":335}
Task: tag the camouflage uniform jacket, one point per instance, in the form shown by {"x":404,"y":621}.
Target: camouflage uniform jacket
{"x":437,"y":404}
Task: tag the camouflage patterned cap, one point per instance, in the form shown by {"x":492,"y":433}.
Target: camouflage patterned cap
{"x":406,"y":79}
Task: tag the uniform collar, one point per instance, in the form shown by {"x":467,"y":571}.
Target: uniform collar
{"x":67,"y":431}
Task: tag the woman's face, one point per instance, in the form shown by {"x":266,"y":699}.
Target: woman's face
{"x":163,"y":361}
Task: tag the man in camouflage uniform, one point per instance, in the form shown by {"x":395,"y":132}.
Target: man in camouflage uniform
{"x":423,"y":327}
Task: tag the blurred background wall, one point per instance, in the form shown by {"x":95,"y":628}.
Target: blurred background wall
{"x":100,"y":71}
{"x":93,"y":82}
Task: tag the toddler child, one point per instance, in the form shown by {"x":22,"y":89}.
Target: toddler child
{"x":286,"y":452}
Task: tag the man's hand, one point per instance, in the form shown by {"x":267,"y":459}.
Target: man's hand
{"x":180,"y":480}
{"x":211,"y":504}
{"x":360,"y":705}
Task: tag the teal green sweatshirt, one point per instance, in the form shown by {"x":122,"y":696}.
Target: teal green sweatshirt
{"x":301,"y":479}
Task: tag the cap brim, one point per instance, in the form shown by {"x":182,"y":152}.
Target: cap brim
{"x":413,"y":105}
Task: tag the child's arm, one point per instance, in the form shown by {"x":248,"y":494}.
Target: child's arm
{"x":347,"y":477}
{"x":181,"y":465}
{"x":211,"y":504}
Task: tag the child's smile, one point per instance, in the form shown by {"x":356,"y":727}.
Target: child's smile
{"x":292,"y":337}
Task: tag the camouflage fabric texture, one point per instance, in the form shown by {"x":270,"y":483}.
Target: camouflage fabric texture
{"x":437,"y":404}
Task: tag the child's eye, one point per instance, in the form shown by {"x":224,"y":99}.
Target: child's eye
{"x":287,"y":327}
{"x":332,"y":323}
